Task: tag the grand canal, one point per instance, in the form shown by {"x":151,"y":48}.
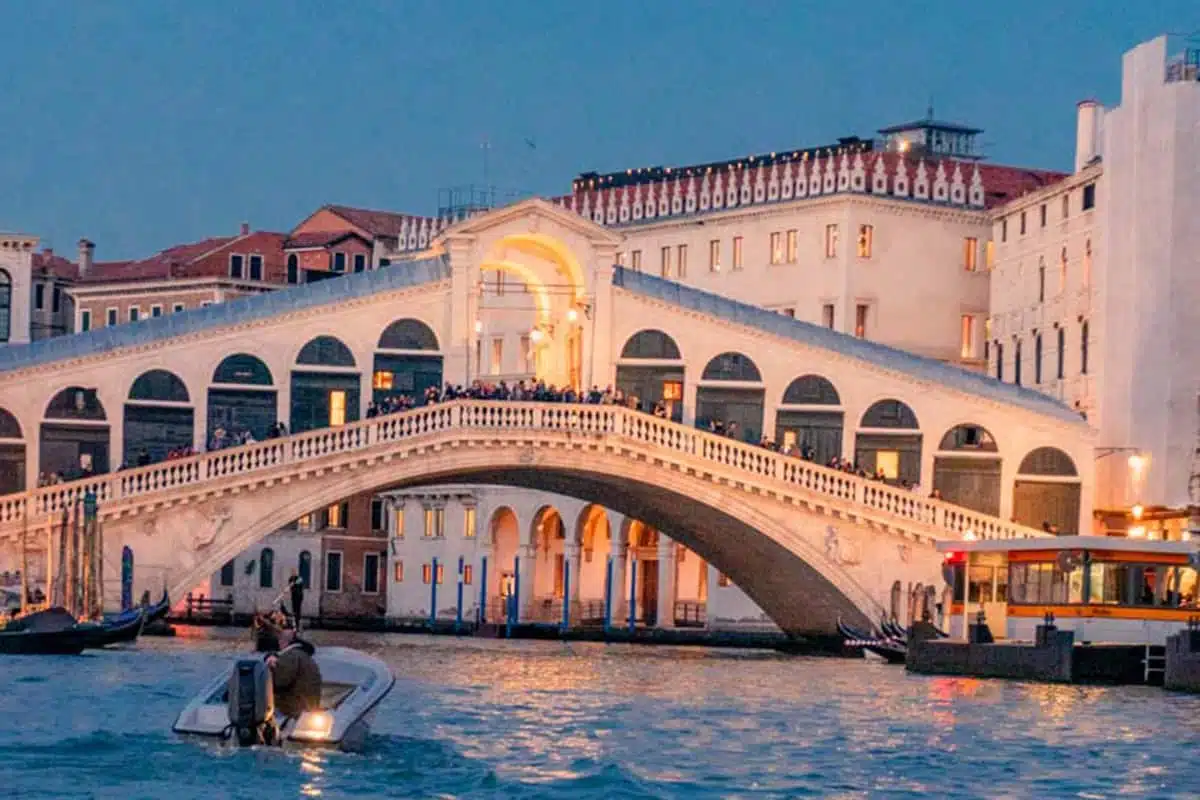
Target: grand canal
{"x":473,"y":718}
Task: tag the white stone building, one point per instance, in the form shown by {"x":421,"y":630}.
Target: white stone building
{"x":1095,"y":298}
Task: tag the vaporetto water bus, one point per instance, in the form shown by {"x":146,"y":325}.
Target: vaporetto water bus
{"x":1105,"y":589}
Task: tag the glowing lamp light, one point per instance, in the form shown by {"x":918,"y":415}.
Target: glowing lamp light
{"x":313,"y":725}
{"x":536,"y":335}
{"x":1138,"y":510}
{"x":479,"y":326}
{"x":572,"y":315}
{"x":969,"y":536}
{"x":1137,"y":462}
{"x":1137,"y":532}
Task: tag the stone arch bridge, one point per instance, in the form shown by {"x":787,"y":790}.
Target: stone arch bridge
{"x":807,"y":543}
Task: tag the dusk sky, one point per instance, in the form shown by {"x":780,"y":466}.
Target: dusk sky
{"x":143,"y":124}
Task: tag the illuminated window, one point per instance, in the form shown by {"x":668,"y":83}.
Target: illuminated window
{"x":469,"y":522}
{"x":714,"y":255}
{"x":831,"y":241}
{"x":860,"y":321}
{"x":968,"y":336}
{"x":441,"y":573}
{"x":737,"y":252}
{"x":383,"y":380}
{"x":637,"y":260}
{"x":793,"y":250}
{"x":336,"y":515}
{"x":337,"y":408}
{"x":426,"y":573}
{"x":776,"y":248}
{"x":866,"y":237}
{"x":990,"y":257}
{"x":435,"y":522}
{"x":681,"y":261}
{"x":468,"y":574}
{"x":970,"y":253}
{"x":888,"y":462}
{"x":398,"y":571}
{"x":497,"y":360}
{"x":664,"y":266}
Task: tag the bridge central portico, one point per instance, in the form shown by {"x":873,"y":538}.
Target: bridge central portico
{"x":300,"y":374}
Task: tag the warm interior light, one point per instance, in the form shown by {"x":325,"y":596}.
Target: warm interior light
{"x":969,"y":536}
{"x":478,"y":326}
{"x":1137,"y":532}
{"x":572,"y":315}
{"x":1138,"y":510}
{"x":1136,"y":462}
{"x":536,"y":335}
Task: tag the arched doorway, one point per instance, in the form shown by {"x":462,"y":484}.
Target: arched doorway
{"x":506,"y":543}
{"x":889,"y":441}
{"x":651,"y":369}
{"x":730,"y":397}
{"x":642,"y":546}
{"x":12,"y":454}
{"x":158,"y":418}
{"x":549,"y":538}
{"x":594,"y":534}
{"x":810,"y":419}
{"x":966,"y":469}
{"x":75,"y":434}
{"x":242,"y":398}
{"x":326,"y":389}
{"x":1047,"y":492}
{"x":408,"y":361}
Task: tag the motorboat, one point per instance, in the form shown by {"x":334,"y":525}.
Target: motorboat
{"x":238,"y":705}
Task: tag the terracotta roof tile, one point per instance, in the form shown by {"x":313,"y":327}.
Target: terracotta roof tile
{"x":377,"y":223}
{"x":317,"y":239}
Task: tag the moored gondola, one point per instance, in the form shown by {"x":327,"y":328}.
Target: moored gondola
{"x":49,"y":632}
{"x":891,"y":650}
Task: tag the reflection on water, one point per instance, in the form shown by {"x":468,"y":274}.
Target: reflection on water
{"x":485,"y":718}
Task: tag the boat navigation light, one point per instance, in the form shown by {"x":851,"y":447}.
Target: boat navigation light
{"x":313,"y":725}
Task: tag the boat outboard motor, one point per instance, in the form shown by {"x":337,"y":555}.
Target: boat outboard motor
{"x":252,"y":703}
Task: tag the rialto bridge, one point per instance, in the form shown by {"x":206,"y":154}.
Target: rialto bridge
{"x":805,"y":541}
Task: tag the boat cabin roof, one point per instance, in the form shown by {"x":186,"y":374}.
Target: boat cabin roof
{"x":1107,"y":543}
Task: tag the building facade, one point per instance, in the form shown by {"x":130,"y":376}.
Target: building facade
{"x":1094,"y":297}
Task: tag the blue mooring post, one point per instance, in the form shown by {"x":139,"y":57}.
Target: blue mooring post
{"x":632,"y":593}
{"x":483,"y":591}
{"x":608,"y":595}
{"x":433,"y":596}
{"x":458,"y":616}
{"x":566,"y":618}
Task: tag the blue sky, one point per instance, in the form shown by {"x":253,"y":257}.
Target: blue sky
{"x":142,"y":124}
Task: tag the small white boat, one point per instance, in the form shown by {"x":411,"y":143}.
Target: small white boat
{"x":352,"y":686}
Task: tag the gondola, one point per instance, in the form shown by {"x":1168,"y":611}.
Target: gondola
{"x":125,"y":628}
{"x":52,"y":632}
{"x":892,"y":651}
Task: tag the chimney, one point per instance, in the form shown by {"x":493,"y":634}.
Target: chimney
{"x":86,"y":251}
{"x":245,"y":229}
{"x":1087,"y":126}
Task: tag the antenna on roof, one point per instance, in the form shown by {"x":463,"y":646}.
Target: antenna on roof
{"x":929,"y":110}
{"x":485,"y":146}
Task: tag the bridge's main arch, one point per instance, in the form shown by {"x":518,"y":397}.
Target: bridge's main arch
{"x":775,"y":525}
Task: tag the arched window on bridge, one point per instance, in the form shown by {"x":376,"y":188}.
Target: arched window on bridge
{"x":266,"y":568}
{"x":1047,"y":492}
{"x":731,"y":396}
{"x":889,"y":442}
{"x":651,"y":369}
{"x":326,"y":395}
{"x":74,"y":436}
{"x":12,"y":454}
{"x":966,"y":469}
{"x":408,"y":361}
{"x":158,"y":418}
{"x":241,"y":399}
{"x":811,"y":419}
{"x":5,"y":306}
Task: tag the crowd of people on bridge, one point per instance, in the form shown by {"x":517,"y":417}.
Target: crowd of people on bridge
{"x":531,"y":391}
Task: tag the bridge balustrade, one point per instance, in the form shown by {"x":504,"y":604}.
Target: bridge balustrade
{"x":932,"y":517}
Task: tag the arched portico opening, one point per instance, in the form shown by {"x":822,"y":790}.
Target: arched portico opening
{"x":730,"y":397}
{"x":548,"y":536}
{"x":1047,"y":492}
{"x":12,"y":454}
{"x":593,"y":531}
{"x":889,"y":443}
{"x":642,"y":547}
{"x":966,"y":469}
{"x":408,"y":362}
{"x":505,"y":531}
{"x":241,"y":399}
{"x":75,"y":435}
{"x":158,"y":418}
{"x":810,"y":419}
{"x":651,"y":369}
{"x":325,"y":386}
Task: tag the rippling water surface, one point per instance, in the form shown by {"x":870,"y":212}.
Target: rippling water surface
{"x":474,"y":718}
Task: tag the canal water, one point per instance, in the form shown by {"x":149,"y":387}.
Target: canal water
{"x":476,"y":718}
